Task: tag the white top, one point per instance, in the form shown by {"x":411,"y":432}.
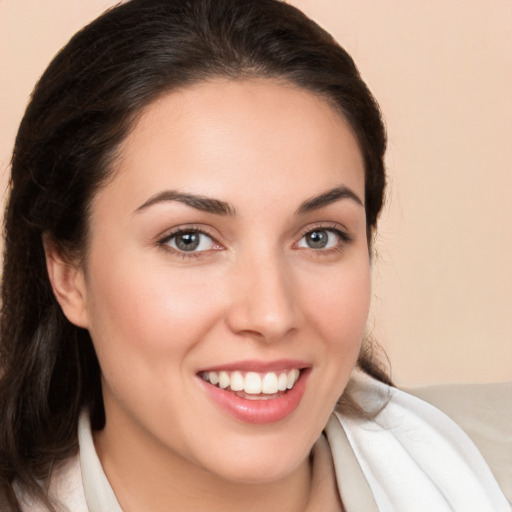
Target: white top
{"x":413,"y":457}
{"x":410,"y":458}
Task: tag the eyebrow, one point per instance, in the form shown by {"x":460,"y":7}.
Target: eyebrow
{"x":199,"y":202}
{"x":218,"y":207}
{"x":328,"y":197}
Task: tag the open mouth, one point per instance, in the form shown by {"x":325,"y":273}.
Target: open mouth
{"x":253,"y":396}
{"x":254,"y":385}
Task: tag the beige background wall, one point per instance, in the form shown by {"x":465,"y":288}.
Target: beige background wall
{"x":442,"y":71}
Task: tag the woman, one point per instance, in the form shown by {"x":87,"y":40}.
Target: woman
{"x":195,"y":187}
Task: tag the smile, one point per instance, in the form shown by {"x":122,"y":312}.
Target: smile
{"x":253,"y":385}
{"x":257,"y":392}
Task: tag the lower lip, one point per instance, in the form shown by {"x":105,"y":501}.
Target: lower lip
{"x":258,"y":411}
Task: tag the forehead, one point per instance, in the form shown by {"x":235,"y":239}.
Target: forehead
{"x":221,"y":136}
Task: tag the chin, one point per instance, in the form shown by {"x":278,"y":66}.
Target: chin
{"x":261,"y":463}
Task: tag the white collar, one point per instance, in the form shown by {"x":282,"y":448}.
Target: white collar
{"x":98,"y":493}
{"x":414,"y":457}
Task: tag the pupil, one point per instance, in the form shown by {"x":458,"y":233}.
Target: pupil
{"x":187,"y":241}
{"x":317,"y":239}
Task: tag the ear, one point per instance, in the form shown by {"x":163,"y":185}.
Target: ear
{"x":68,"y":284}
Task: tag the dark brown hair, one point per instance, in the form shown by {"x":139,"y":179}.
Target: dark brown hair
{"x":80,"y":111}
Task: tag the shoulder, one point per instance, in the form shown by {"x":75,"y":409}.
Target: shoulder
{"x":484,"y":413}
{"x":408,"y":447}
{"x":65,"y":489}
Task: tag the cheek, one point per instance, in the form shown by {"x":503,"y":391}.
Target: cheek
{"x":341,"y":306}
{"x":338,"y":305}
{"x":148,"y":311}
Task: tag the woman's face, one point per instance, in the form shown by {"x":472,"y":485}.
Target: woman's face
{"x":228,"y":261}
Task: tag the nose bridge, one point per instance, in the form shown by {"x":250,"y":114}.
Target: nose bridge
{"x":265,"y":303}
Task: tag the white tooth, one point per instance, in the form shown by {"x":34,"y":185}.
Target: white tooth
{"x":204,"y":376}
{"x":252,"y":383}
{"x":213,"y":377}
{"x":269,"y":385}
{"x":293,"y":375}
{"x":237,"y":381}
{"x":223,"y":380}
{"x":289,"y":380}
{"x":282,"y":382}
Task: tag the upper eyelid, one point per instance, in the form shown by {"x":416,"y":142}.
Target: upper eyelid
{"x":170,"y":233}
{"x":327,"y":226}
{"x":206,"y":230}
{"x":163,"y":242}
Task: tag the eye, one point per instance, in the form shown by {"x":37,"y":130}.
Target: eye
{"x":190,"y":241}
{"x":321,"y":238}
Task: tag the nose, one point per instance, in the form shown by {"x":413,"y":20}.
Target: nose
{"x":264,"y":299}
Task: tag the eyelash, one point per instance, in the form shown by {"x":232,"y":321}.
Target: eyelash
{"x":164,"y":242}
{"x":345,"y":238}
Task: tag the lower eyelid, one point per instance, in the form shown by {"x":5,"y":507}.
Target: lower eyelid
{"x":343,"y":236}
{"x":166,"y":240}
{"x":343,"y":239}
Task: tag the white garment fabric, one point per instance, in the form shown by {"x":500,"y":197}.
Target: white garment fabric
{"x":414,"y":457}
{"x":410,"y":458}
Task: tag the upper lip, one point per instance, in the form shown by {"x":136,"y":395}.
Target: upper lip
{"x":248,"y":365}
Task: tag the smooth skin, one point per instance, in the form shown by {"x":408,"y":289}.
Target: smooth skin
{"x":272,"y":274}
